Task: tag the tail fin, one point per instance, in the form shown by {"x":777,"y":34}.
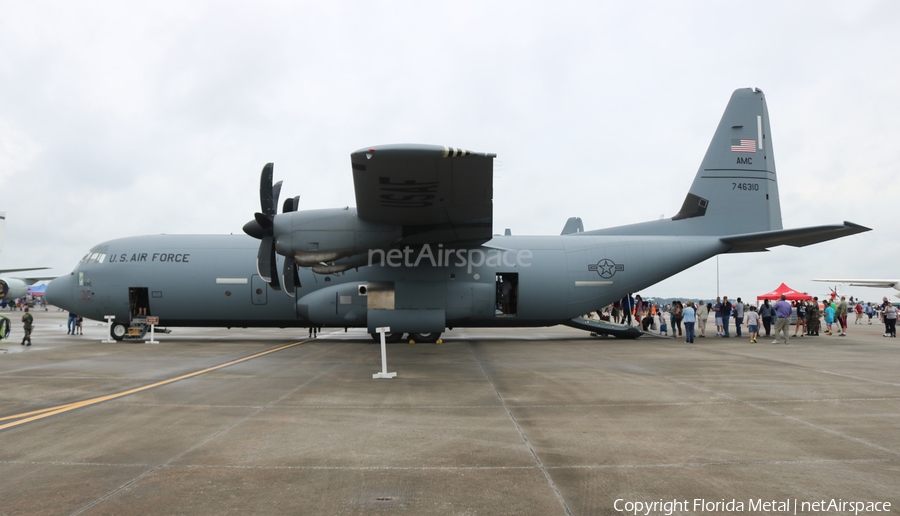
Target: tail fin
{"x":736,"y":189}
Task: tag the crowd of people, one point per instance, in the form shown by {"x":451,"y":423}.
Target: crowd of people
{"x":689,"y":319}
{"x":20,"y":304}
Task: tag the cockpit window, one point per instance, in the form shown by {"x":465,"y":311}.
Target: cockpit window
{"x":94,"y":258}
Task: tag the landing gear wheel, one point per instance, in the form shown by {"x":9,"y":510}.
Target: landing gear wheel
{"x":393,"y":338}
{"x":118,"y":331}
{"x":425,"y":337}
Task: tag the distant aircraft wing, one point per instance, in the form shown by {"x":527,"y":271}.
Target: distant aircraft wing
{"x":7,"y":271}
{"x":438,"y":194}
{"x":800,"y":237}
{"x":877,"y":283}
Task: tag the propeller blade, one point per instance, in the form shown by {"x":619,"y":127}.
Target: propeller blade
{"x":276,"y":191}
{"x":291,"y":204}
{"x":290,"y":276}
{"x":266,"y":266}
{"x":264,"y":222}
{"x":264,"y":259}
{"x":266,"y":202}
{"x":273,"y":269}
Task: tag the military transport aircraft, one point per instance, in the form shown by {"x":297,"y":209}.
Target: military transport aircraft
{"x":418,"y":255}
{"x":10,"y":287}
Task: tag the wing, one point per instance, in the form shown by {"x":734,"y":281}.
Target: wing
{"x":879,"y":283}
{"x":7,"y":271}
{"x":437,"y":194}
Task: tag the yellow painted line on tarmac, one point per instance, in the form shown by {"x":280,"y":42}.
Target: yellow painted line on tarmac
{"x":52,"y":411}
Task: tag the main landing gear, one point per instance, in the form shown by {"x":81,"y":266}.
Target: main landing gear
{"x":415,"y":337}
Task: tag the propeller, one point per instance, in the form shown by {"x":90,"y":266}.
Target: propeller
{"x":262,"y":227}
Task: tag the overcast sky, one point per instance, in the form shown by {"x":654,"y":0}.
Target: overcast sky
{"x":129,"y":118}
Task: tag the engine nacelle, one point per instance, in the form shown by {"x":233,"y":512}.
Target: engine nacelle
{"x":335,"y":306}
{"x":12,"y":288}
{"x":314,"y":237}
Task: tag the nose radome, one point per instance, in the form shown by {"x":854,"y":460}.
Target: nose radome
{"x":59,"y":292}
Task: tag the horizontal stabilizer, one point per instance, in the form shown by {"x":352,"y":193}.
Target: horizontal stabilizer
{"x":800,"y":237}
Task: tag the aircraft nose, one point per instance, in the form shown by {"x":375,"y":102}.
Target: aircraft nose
{"x":59,"y":292}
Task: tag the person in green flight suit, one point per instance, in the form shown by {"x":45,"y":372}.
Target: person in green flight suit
{"x":28,"y":319}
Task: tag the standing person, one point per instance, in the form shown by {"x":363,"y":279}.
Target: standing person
{"x":869,"y":311}
{"x":675,"y":318}
{"x":738,"y":316}
{"x":78,"y":323}
{"x":829,"y":317}
{"x":627,"y":307}
{"x":765,"y":313}
{"x":505,"y":289}
{"x":702,"y":316}
{"x":614,"y":312}
{"x":859,"y":312}
{"x":639,"y":309}
{"x":726,"y":316}
{"x":28,"y":320}
{"x":753,"y":324}
{"x":783,"y":310}
{"x":890,"y":320}
{"x":690,"y":317}
{"x":801,"y":318}
{"x":70,"y":324}
{"x":812,"y":318}
{"x":842,"y":312}
{"x":679,"y":317}
{"x":717,"y":310}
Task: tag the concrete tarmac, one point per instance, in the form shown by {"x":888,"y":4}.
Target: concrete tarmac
{"x":524,"y":421}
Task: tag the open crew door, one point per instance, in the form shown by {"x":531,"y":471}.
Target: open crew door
{"x":507,"y":294}
{"x":139,"y":301}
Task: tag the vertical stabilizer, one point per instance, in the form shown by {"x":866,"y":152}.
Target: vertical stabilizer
{"x":736,"y":189}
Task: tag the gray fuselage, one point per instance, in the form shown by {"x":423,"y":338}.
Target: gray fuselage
{"x":210,"y":280}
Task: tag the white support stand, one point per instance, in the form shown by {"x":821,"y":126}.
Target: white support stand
{"x":152,"y":326}
{"x":109,"y":320}
{"x":383,"y":373}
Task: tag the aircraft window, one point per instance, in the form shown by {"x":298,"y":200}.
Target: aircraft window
{"x":94,"y":258}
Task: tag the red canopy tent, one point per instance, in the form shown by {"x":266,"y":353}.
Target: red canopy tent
{"x":789,"y":294}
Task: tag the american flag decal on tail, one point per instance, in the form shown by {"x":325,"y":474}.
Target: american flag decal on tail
{"x":743,"y":145}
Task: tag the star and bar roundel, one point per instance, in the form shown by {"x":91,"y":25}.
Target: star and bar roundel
{"x":606,"y":268}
